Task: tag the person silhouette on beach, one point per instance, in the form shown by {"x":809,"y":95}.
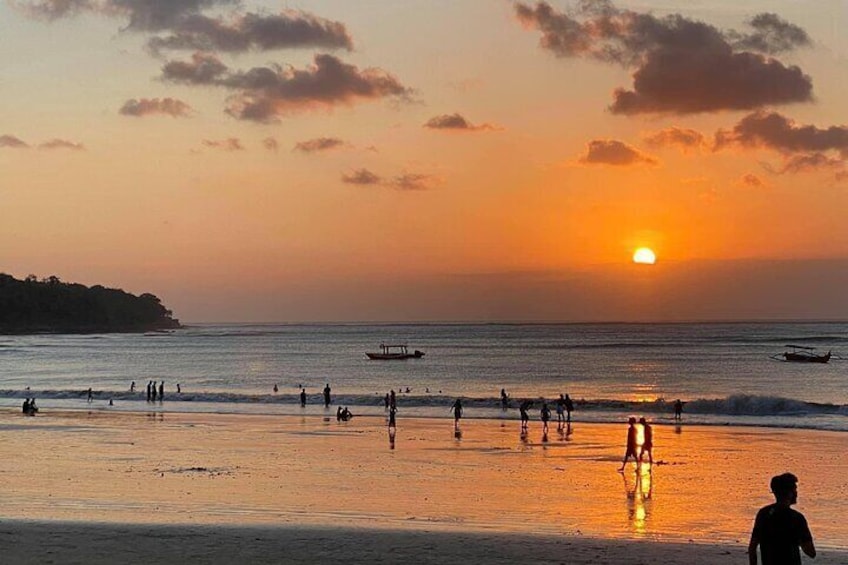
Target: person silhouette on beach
{"x":302,"y":397}
{"x":504,"y":400}
{"x":276,"y":388}
{"x":647,"y":441}
{"x":153,"y":391}
{"x":678,"y":410}
{"x":90,"y":396}
{"x":132,"y":386}
{"x":560,"y":409}
{"x":545,"y":414}
{"x":778,"y":529}
{"x":386,"y":401}
{"x":327,"y":396}
{"x":25,"y":407}
{"x":631,"y":444}
{"x":525,"y":417}
{"x":457,"y":412}
{"x":148,"y":391}
{"x":161,"y":391}
{"x":339,"y":414}
{"x":569,"y":407}
{"x":179,"y":389}
{"x":392,"y":399}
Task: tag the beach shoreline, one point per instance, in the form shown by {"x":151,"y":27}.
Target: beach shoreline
{"x":98,"y":543}
{"x":102,"y":472}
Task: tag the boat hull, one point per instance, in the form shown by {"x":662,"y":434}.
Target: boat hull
{"x":806,"y":358}
{"x":395,"y":356}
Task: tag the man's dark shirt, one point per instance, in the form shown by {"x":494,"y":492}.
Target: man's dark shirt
{"x":780,"y":531}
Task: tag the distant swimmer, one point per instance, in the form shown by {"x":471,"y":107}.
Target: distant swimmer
{"x":327,"y":396}
{"x":569,"y":407}
{"x":457,"y":411}
{"x":545,"y":414}
{"x":778,"y":529}
{"x":631,"y":444}
{"x":678,"y":410}
{"x":504,"y":399}
{"x":647,"y":441}
{"x":302,"y":397}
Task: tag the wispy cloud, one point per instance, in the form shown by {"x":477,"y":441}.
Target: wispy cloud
{"x":270,"y":143}
{"x":614,"y":152}
{"x":318,"y":144}
{"x":264,"y":94}
{"x":456,"y":122}
{"x":229,"y":144}
{"x":12,"y":141}
{"x":682,"y":66}
{"x":62,"y":144}
{"x":361,"y":177}
{"x":405,"y":181}
{"x":155,"y":106}
{"x":684,"y":138}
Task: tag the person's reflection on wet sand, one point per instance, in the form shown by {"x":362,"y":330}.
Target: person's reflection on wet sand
{"x":638,"y":496}
{"x":392,"y":432}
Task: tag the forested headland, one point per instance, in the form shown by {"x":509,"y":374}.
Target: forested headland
{"x":52,"y":306}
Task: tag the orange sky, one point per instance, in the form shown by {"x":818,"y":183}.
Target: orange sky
{"x":430,"y":160}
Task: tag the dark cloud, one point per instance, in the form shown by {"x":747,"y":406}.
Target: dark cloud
{"x":811,"y":162}
{"x":613,"y":152}
{"x":254,"y":32}
{"x":456,"y":122}
{"x":681,"y":66}
{"x":318,"y":144}
{"x":12,"y":141}
{"x":684,"y":138}
{"x":771,"y":35}
{"x":229,"y":144}
{"x":203,"y":68}
{"x":270,"y":143}
{"x":152,"y":106}
{"x":775,"y":131}
{"x":62,"y":144}
{"x":143,"y":15}
{"x":361,"y":177}
{"x":266,"y":93}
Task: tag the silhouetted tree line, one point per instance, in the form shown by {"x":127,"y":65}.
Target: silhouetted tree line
{"x":50,"y":305}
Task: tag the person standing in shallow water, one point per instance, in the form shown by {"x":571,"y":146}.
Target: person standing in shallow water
{"x":647,"y":441}
{"x":457,"y":411}
{"x":546,"y":416}
{"x":302,"y":397}
{"x":327,"y":396}
{"x":678,"y":410}
{"x":778,"y":529}
{"x":631,"y":444}
{"x":569,"y":408}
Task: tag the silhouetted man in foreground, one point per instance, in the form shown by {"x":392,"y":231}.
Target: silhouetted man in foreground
{"x":778,"y":529}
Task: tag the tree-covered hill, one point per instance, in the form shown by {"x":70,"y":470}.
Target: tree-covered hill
{"x":50,"y":305}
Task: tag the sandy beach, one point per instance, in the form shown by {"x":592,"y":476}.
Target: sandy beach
{"x":100,"y":487}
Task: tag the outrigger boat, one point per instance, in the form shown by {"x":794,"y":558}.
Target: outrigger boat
{"x":398,"y":351}
{"x":803,"y":354}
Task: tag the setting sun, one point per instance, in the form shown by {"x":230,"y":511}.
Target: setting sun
{"x":644,"y":256}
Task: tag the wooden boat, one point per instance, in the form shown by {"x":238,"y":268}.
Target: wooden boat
{"x":394,"y":352}
{"x":803,"y":354}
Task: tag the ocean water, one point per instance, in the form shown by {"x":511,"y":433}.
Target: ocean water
{"x":724,"y":373}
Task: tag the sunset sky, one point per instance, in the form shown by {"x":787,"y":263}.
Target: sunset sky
{"x":431,"y":160}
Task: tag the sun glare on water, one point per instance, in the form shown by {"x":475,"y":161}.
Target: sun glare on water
{"x":644,"y":256}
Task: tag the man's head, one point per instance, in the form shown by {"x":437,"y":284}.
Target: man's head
{"x":631,"y":421}
{"x":785,"y":488}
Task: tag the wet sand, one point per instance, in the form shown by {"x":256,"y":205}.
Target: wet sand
{"x":198,"y":487}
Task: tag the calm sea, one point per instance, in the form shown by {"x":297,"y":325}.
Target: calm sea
{"x":723,"y":372}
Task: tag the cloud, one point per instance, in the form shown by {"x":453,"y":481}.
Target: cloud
{"x":405,"y":181}
{"x":684,"y":138}
{"x":681,"y":66}
{"x":361,"y":177}
{"x":270,"y":143}
{"x":12,"y":141}
{"x":413,"y":181}
{"x":613,"y":152}
{"x":266,"y":93}
{"x":318,"y":144}
{"x":229,"y":144}
{"x":811,"y":162}
{"x":62,"y":144}
{"x":775,"y":131}
{"x":750,"y":180}
{"x":289,"y":29}
{"x":152,"y":106}
{"x":456,"y":122}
